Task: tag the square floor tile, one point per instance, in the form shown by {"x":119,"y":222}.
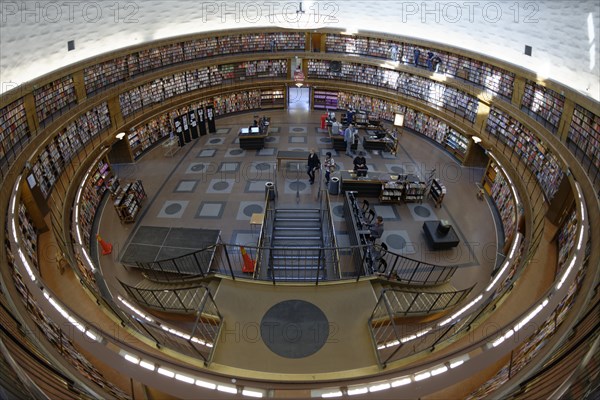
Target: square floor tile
{"x":273,"y":129}
{"x":297,"y":139}
{"x":186,"y":186}
{"x":172,"y":209}
{"x":247,"y":208}
{"x":220,"y":186}
{"x":272,"y":140}
{"x":422,"y":212}
{"x":210,"y":209}
{"x":215,"y":141}
{"x":387,"y":155}
{"x":223,"y":131}
{"x":395,"y":168}
{"x":201,"y":168}
{"x":298,"y":130}
{"x":399,"y":242}
{"x":302,"y":186}
{"x":324,"y":140}
{"x":235,"y":153}
{"x":229,"y":167}
{"x":387,"y":211}
{"x":245,"y":238}
{"x":266,"y":152}
{"x":255,"y":186}
{"x":206,"y":153}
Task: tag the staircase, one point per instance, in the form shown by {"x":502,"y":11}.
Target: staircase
{"x":296,"y":243}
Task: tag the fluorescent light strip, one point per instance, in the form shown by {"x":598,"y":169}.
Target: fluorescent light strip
{"x":135,"y":310}
{"x":401,"y":382}
{"x":185,"y":378}
{"x":27,"y":266}
{"x":438,"y":370}
{"x":253,"y":393}
{"x":566,"y":273}
{"x":205,"y":384}
{"x":377,"y":387}
{"x":422,"y":376}
{"x":530,"y":316}
{"x":462,"y":310}
{"x":458,"y":361}
{"x":147,"y":365}
{"x":580,"y":242}
{"x":166,"y":372}
{"x":497,"y":277}
{"x":227,"y":389}
{"x":329,"y":395}
{"x":357,"y":390}
{"x":132,"y":359}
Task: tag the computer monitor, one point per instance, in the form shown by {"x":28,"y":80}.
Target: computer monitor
{"x":255,"y":129}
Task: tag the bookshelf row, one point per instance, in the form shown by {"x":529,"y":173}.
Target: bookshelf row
{"x":566,"y":241}
{"x":108,"y":73}
{"x":402,"y":190}
{"x":541,"y":161}
{"x":497,"y":186}
{"x":29,"y":235}
{"x":143,"y":137}
{"x":438,"y":131}
{"x":431,"y":92}
{"x":100,"y":178}
{"x":14,"y":129}
{"x":128,"y":199}
{"x":495,"y":80}
{"x":543,"y":103}
{"x":56,"y":336}
{"x":169,"y":86}
{"x":521,"y":356}
{"x":52,"y":98}
{"x":584,"y":132}
{"x":57,"y":154}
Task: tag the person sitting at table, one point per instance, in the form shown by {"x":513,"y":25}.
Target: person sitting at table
{"x":360,"y":164}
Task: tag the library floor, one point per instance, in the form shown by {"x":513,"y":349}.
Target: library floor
{"x":212,"y":184}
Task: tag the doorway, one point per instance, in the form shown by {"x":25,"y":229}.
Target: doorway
{"x":298,"y":98}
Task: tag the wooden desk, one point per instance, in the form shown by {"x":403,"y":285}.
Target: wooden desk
{"x":369,"y":186}
{"x":252,"y":141}
{"x":292,"y":156}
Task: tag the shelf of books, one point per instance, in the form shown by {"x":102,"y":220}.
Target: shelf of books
{"x":495,"y":80}
{"x":14,"y":130}
{"x":392,"y":192}
{"x":101,"y":177}
{"x":544,"y":104}
{"x":566,"y":241}
{"x":54,"y":97}
{"x":325,"y":100}
{"x":437,"y":191}
{"x":382,"y":109}
{"x":28,"y":235}
{"x":142,"y":137}
{"x":538,"y":158}
{"x":364,"y":46}
{"x":497,"y":186}
{"x":184,"y":82}
{"x":105,"y":74}
{"x":272,"y":98}
{"x":584,"y":132}
{"x":128,"y":200}
{"x":59,"y":338}
{"x":58,"y":153}
{"x":456,"y":144}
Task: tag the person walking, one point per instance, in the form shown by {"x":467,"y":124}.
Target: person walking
{"x":349,"y":138}
{"x":313,"y":164}
{"x":329,"y":165}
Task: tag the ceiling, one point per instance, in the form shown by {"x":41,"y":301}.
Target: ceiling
{"x":564,"y":35}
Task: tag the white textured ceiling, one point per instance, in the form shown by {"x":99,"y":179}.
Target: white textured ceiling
{"x":564,"y":35}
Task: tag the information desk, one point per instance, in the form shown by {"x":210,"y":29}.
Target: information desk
{"x":369,"y":186}
{"x":252,"y":140}
{"x":437,"y":240}
{"x":292,"y":156}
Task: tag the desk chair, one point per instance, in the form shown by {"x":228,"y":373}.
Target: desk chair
{"x":370,"y":216}
{"x":365,"y":207}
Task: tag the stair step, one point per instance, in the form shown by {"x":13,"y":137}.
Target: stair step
{"x":297,"y":238}
{"x":298,"y":219}
{"x":299,"y":228}
{"x":293,"y":210}
{"x":296,"y":257}
{"x":298,"y":268}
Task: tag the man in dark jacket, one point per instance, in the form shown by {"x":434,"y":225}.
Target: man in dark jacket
{"x":313,"y":164}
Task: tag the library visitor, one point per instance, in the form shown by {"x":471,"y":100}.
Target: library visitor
{"x":329,"y":165}
{"x":360,"y":164}
{"x":313,"y":164}
{"x":349,"y":139}
{"x":376,"y":229}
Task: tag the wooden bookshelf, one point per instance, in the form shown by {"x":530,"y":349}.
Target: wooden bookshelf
{"x":497,"y":186}
{"x":272,"y":98}
{"x":584,"y":132}
{"x":106,"y":74}
{"x":325,"y":100}
{"x":392,"y":192}
{"x":14,"y":130}
{"x":128,"y":200}
{"x":100,"y":177}
{"x":29,"y":235}
{"x":58,"y":153}
{"x":566,"y":241}
{"x":437,"y":191}
{"x":54,"y":98}
{"x":544,"y":104}
{"x":532,"y":151}
{"x":382,"y":109}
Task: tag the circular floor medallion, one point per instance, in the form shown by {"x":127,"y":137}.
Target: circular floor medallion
{"x":197,"y":167}
{"x":252,"y":209}
{"x":294,"y":329}
{"x":396,"y":242}
{"x":172,"y":209}
{"x":220,"y":185}
{"x":300,"y":186}
{"x":236,"y":152}
{"x":422,"y":211}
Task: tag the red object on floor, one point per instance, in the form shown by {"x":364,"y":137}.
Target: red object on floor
{"x":323,"y":120}
{"x":106,"y":247}
{"x":248,"y":262}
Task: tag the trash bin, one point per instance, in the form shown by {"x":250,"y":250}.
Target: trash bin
{"x":270,"y":190}
{"x":334,"y":185}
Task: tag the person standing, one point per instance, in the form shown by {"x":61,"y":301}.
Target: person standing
{"x":313,"y":164}
{"x":376,"y":229}
{"x":349,"y":138}
{"x":329,"y":165}
{"x":394,"y":52}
